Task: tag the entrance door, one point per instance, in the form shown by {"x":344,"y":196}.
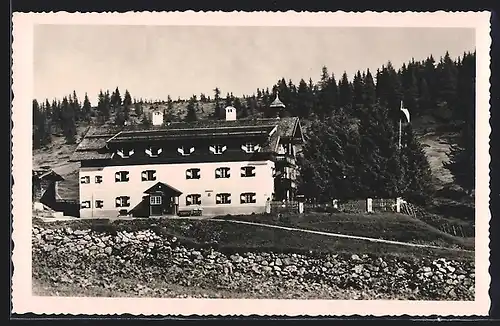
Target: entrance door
{"x":156,"y":204}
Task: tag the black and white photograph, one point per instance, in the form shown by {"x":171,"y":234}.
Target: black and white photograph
{"x":298,"y":162}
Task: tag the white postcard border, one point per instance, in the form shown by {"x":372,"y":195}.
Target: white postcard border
{"x":25,"y":302}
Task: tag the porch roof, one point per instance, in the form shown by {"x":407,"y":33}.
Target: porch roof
{"x":163,"y":187}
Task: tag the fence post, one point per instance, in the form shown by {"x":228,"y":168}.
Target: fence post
{"x":369,"y":205}
{"x":398,"y":204}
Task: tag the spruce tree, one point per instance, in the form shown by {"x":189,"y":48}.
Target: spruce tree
{"x":69,"y":124}
{"x":369,"y":92}
{"x":417,"y":186}
{"x":87,"y":108}
{"x":191,"y":110}
{"x":218,"y":106}
{"x":345,"y":92}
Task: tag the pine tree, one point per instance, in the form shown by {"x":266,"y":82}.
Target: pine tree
{"x":229,"y":100}
{"x":358,"y":89}
{"x":304,"y":100}
{"x":127,"y":99}
{"x":87,"y":108}
{"x":328,"y":160}
{"x":116,"y":99}
{"x":191,"y":110}
{"x":218,"y":106}
{"x":369,"y":92}
{"x":417,"y":186}
{"x":69,"y":124}
{"x":345,"y":92}
{"x":411,"y":93}
{"x":424,"y":100}
{"x":76,"y":106}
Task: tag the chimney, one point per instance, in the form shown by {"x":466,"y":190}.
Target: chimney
{"x":157,"y":119}
{"x":230,"y":113}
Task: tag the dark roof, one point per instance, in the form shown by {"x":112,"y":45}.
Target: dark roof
{"x":93,"y":146}
{"x":47,"y":174}
{"x":163,"y":187}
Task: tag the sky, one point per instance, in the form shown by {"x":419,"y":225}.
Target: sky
{"x":153,"y":62}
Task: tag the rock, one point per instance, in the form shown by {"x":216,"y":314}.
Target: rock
{"x":278,"y":262}
{"x":328,"y":264}
{"x":49,"y":237}
{"x":236,"y":258}
{"x":451,"y":268}
{"x":400,"y":271}
{"x":108,"y":250}
{"x":358,"y":269}
{"x":355,"y":257}
{"x":426,"y":269}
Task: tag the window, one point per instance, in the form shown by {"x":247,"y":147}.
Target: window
{"x":250,"y":147}
{"x":223,"y":198}
{"x":124,"y":153}
{"x":148,"y":175}
{"x":153,"y":151}
{"x":85,"y":179}
{"x":121,"y":176}
{"x":222,"y":173}
{"x":193,"y":199}
{"x":193,"y":174}
{"x":155,"y":200}
{"x":247,"y":198}
{"x":98,"y":179}
{"x":123,"y":201}
{"x":248,"y":171}
{"x":99,"y":204}
{"x":217,"y":149}
{"x":85,"y":204}
{"x":184,"y":151}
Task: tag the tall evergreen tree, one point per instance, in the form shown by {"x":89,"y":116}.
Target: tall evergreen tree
{"x":345,"y":92}
{"x":69,"y":123}
{"x":218,"y":105}
{"x":191,"y":110}
{"x":369,"y":92}
{"x":86,"y":108}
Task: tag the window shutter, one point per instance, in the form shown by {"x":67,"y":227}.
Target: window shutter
{"x":117,"y":176}
{"x":218,"y":173}
{"x":189,"y":173}
{"x":223,"y":149}
{"x":153,"y":175}
{"x":118,"y":201}
{"x":242,"y":198}
{"x":144,"y":175}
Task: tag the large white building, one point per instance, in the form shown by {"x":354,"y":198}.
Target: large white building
{"x":230,"y":166}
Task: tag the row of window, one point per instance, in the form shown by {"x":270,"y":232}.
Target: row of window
{"x":194,"y":173}
{"x":185,"y":151}
{"x":191,"y":199}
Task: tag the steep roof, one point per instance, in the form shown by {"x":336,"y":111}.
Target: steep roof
{"x":93,"y":146}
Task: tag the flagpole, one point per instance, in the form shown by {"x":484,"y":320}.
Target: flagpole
{"x":400,"y":130}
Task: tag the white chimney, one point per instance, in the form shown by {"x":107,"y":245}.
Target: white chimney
{"x":230,"y":113}
{"x":157,"y":118}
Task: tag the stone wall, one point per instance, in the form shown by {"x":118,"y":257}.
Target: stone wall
{"x":85,"y":258}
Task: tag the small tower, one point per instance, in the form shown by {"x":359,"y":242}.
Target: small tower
{"x":276,"y":107}
{"x":157,"y":117}
{"x":230,"y":113}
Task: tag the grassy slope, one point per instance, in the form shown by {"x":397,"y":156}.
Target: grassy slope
{"x":395,"y":227}
{"x":230,"y":237}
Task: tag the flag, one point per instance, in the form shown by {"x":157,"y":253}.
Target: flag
{"x":406,"y":112}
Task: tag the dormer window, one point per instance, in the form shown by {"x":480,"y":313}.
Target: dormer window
{"x":217,"y":149}
{"x":184,"y":151}
{"x":125,"y":153}
{"x":153,"y":151}
{"x":250,"y":147}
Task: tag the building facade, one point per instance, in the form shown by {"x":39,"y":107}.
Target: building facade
{"x":215,"y":167}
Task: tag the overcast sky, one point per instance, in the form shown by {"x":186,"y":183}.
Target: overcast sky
{"x":155,"y":61}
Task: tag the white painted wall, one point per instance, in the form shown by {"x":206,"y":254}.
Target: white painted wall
{"x":157,"y":119}
{"x":230,"y":113}
{"x":175,"y":175}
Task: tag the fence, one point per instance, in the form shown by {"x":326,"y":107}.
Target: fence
{"x":440,"y":223}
